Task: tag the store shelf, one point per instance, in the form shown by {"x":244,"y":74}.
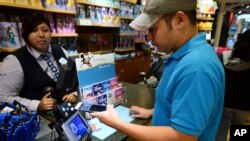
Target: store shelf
{"x":101,"y":25}
{"x":96,"y":4}
{"x":123,"y":35}
{"x":124,"y":50}
{"x":206,"y":19}
{"x":126,"y":18}
{"x":210,"y":13}
{"x":88,"y":22}
{"x":64,"y":35}
{"x":130,"y":1}
{"x":59,"y":11}
{"x":23,"y":6}
{"x":159,"y":53}
{"x":106,"y":25}
{"x":7,"y":49}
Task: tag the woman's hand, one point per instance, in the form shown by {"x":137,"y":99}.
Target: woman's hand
{"x":47,"y":103}
{"x":139,"y":112}
{"x":70,"y":98}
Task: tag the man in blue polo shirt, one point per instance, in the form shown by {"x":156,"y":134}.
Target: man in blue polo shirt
{"x":190,"y":94}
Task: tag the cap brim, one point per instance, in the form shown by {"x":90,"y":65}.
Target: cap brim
{"x":144,"y":21}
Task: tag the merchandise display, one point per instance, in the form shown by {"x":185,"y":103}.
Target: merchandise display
{"x":97,"y":15}
{"x":102,"y":13}
{"x":205,"y":16}
{"x":62,"y":25}
{"x":10,"y":36}
{"x":59,"y":4}
{"x":17,"y":123}
{"x":125,"y":41}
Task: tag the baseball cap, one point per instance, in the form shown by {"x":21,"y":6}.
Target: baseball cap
{"x":154,"y":9}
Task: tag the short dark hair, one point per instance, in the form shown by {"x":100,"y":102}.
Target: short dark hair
{"x":242,"y":47}
{"x":30,"y":22}
{"x":190,"y":14}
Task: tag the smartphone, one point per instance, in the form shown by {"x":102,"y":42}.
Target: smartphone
{"x":92,"y":108}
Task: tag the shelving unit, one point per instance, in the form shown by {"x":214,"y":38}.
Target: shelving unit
{"x":210,"y":13}
{"x":27,"y":8}
{"x":98,"y":25}
{"x":59,"y":11}
{"x":127,"y":18}
{"x":97,"y":4}
{"x":205,"y":22}
{"x":206,"y":19}
{"x":6,"y":49}
{"x":124,"y":50}
{"x":122,"y":35}
{"x":23,"y":6}
{"x":64,"y":35}
{"x":127,"y":37}
{"x":91,"y":28}
{"x":40,"y":8}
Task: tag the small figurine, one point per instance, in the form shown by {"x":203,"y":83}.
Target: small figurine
{"x":98,"y":15}
{"x":104,"y":15}
{"x":11,"y":35}
{"x":70,"y":5}
{"x":92,"y":13}
{"x":82,"y":12}
{"x":86,"y":60}
{"x":117,"y":17}
{"x":111,"y":15}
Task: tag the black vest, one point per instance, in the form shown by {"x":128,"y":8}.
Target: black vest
{"x":35,"y":79}
{"x":237,"y":92}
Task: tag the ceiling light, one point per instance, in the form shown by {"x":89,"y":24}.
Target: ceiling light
{"x":239,"y":12}
{"x":247,"y":6}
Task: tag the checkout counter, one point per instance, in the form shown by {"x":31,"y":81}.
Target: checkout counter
{"x":135,"y":94}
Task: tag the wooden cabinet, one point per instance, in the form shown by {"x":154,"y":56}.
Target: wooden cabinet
{"x":128,"y":70}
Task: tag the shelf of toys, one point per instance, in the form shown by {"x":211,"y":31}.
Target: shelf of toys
{"x":98,"y":13}
{"x":127,"y":37}
{"x":61,"y":16}
{"x":101,"y":3}
{"x":10,"y":3}
{"x":205,"y":12}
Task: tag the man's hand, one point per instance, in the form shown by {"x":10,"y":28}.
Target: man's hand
{"x":47,"y":103}
{"x":139,"y":112}
{"x":70,"y":98}
{"x":109,"y":117}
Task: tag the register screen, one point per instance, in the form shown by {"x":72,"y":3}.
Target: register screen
{"x":77,"y":127}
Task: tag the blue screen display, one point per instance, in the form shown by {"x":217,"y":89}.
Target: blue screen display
{"x":77,"y":127}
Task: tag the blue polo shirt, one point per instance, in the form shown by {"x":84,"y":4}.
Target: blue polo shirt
{"x":190,"y":94}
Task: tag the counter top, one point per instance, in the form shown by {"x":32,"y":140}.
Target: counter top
{"x":135,"y":94}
